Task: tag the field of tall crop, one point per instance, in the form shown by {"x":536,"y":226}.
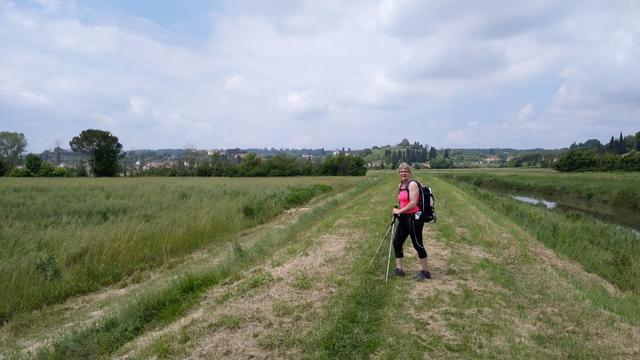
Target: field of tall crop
{"x":63,"y":237}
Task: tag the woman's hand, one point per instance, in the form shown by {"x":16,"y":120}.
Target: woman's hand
{"x":396,"y":211}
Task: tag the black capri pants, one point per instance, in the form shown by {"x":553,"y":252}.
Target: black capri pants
{"x":407,"y":225}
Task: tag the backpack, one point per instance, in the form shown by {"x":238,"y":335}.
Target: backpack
{"x":426,"y":203}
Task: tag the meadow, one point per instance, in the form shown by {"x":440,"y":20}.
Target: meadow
{"x":510,"y":280}
{"x":63,"y":237}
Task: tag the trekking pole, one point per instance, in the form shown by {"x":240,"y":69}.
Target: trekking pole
{"x":393,"y":232}
{"x":382,"y":241}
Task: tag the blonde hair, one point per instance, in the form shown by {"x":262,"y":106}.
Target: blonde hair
{"x":404,"y":166}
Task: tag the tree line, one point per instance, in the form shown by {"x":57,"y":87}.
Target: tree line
{"x":620,"y":154}
{"x":251,"y":166}
{"x":416,"y":154}
{"x":104,"y":155}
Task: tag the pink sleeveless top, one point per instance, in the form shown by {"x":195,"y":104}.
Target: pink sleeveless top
{"x":403,"y":199}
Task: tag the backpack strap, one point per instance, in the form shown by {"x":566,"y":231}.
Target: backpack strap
{"x":407,"y":190}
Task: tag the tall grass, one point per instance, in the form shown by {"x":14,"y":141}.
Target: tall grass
{"x":63,"y":237}
{"x":161,"y":307}
{"x":604,"y":249}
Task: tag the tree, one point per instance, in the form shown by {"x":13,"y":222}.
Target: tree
{"x":33,"y":163}
{"x":441,"y":163}
{"x":343,"y":165}
{"x":433,"y":153}
{"x":446,"y":153}
{"x":404,"y":143}
{"x":3,"y":168}
{"x":12,"y":144}
{"x":578,"y":160}
{"x":629,"y":143}
{"x":103,"y":149}
{"x":593,"y":144}
{"x":638,"y":141}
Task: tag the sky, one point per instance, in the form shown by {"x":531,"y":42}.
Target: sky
{"x":320,"y":74}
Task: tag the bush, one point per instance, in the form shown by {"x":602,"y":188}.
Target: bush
{"x":46,"y":170}
{"x":441,"y":163}
{"x":20,"y":172}
{"x":33,"y":163}
{"x":628,"y":198}
{"x":588,"y":160}
{"x":580,"y":159}
{"x":343,"y":165}
{"x":3,"y":168}
{"x":59,"y":172}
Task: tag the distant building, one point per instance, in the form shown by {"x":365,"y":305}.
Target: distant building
{"x":157,"y":164}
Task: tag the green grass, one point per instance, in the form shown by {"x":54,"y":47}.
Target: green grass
{"x":606,"y":250}
{"x":618,"y":190}
{"x":497,"y":291}
{"x":63,"y":237}
{"x":161,"y":307}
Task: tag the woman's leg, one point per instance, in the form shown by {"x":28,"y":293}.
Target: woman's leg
{"x":416,"y":240}
{"x":402,"y":230}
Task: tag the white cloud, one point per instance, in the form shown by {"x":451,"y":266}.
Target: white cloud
{"x":303,"y":104}
{"x":525,"y":113}
{"x":361,"y":67}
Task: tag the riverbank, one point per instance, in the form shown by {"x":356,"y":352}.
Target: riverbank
{"x":611,"y":197}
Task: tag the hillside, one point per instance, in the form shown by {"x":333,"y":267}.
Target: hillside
{"x":299,"y":287}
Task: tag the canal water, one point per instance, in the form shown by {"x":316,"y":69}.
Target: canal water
{"x":627,"y":219}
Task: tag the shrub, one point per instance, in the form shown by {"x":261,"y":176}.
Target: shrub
{"x":441,"y":163}
{"x":578,"y":160}
{"x":46,"y":170}
{"x":628,"y":198}
{"x":20,"y":172}
{"x":33,"y":163}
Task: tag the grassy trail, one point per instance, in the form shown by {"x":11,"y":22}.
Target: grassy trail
{"x":496,"y":292}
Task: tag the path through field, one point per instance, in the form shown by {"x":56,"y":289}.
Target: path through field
{"x":496,"y":292}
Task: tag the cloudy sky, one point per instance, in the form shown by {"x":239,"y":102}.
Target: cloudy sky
{"x":280,"y":73}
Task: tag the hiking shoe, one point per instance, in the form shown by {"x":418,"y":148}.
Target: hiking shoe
{"x":399,"y":272}
{"x":422,"y":275}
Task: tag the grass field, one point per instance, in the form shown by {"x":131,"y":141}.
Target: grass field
{"x":63,"y":237}
{"x":298,"y":286}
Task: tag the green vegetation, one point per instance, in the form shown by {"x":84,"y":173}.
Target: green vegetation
{"x":608,"y":251}
{"x":589,"y":189}
{"x":620,"y":154}
{"x":65,"y":237}
{"x":103,"y":150}
{"x":253,"y":166}
{"x":12,"y":144}
{"x":585,"y":159}
{"x":160,"y":307}
{"x":510,"y":280}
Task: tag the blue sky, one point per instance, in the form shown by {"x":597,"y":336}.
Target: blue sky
{"x":332,"y":74}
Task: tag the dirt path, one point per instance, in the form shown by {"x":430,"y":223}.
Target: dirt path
{"x":498,"y":292}
{"x":242,"y":321}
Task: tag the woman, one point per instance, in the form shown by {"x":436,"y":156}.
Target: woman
{"x":408,"y":197}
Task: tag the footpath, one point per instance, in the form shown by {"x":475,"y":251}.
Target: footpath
{"x":299,"y":287}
